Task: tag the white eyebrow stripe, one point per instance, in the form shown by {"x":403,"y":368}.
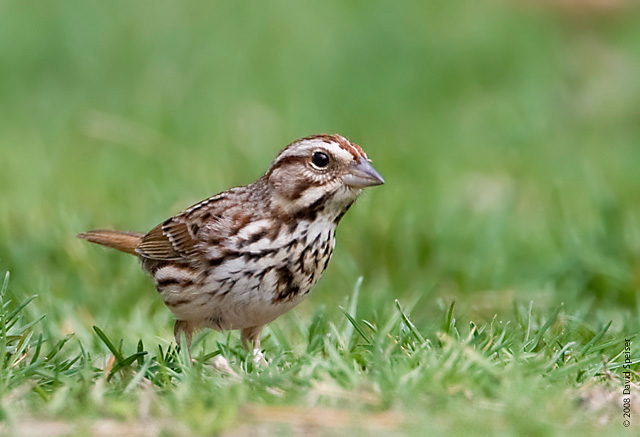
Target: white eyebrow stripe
{"x":337,"y":145}
{"x":338,"y":151}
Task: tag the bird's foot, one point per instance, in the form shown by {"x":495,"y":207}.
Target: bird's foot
{"x":259,"y":359}
{"x":221,"y":364}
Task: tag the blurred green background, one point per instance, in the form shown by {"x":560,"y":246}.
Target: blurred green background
{"x":508,"y":133}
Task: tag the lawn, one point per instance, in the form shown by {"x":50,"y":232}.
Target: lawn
{"x":487,"y":288}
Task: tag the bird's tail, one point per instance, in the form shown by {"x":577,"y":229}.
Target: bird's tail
{"x":122,"y":241}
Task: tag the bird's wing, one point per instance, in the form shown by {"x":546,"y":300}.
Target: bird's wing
{"x":169,"y":241}
{"x":180,"y":237}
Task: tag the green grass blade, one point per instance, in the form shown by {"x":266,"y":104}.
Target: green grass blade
{"x":356,"y":325}
{"x":116,"y":353}
{"x":596,"y":338}
{"x":418,"y":336}
{"x":552,"y":318}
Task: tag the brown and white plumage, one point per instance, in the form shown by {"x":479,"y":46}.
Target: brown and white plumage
{"x":241,"y":258}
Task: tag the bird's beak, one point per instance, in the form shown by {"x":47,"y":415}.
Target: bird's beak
{"x":361,"y":174}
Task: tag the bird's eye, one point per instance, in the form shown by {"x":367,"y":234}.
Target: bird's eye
{"x":320,"y":159}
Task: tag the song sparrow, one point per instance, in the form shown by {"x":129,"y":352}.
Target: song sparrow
{"x":241,"y":258}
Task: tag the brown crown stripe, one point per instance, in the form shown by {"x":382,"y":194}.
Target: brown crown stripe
{"x":355,"y":150}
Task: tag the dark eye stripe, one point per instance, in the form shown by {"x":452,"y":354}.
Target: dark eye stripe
{"x":289,"y":160}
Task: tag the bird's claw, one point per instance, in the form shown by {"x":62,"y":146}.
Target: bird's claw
{"x":259,"y":359}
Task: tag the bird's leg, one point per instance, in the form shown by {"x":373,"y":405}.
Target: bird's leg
{"x":187,"y":328}
{"x":253,"y":335}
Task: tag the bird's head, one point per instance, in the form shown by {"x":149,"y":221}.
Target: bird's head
{"x":320,"y":171}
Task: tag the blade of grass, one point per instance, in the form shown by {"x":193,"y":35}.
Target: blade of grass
{"x":356,"y":325}
{"x":410,"y":324}
{"x":116,"y":353}
{"x":552,"y":318}
{"x":353,"y":307}
{"x":596,"y":338}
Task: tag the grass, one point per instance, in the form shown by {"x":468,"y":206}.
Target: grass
{"x":486,"y":288}
{"x":496,"y":373}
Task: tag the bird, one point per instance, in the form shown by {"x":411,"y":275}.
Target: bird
{"x":241,"y":258}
